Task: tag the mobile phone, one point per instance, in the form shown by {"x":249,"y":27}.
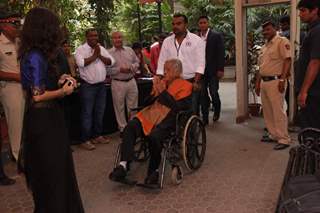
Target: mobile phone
{"x":67,"y":81}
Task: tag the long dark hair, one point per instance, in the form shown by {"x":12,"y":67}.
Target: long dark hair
{"x":40,"y":31}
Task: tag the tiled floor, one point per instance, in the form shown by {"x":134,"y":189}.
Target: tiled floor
{"x":239,"y":175}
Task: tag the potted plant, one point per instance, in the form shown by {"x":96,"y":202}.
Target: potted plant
{"x":253,"y":69}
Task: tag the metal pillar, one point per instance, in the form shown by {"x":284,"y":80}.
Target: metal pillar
{"x":159,"y":15}
{"x":139,"y":22}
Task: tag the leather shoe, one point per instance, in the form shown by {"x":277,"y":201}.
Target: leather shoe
{"x":267,"y":139}
{"x":205,"y":121}
{"x":118,"y":174}
{"x":5,"y":181}
{"x":152,"y":179}
{"x":216,"y":117}
{"x":280,"y":146}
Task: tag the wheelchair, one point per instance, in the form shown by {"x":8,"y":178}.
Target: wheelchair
{"x":186,"y":145}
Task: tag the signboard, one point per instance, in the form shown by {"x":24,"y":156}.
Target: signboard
{"x":249,"y":3}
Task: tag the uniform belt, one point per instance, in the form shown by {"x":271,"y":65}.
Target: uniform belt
{"x":125,"y":80}
{"x":270,"y":78}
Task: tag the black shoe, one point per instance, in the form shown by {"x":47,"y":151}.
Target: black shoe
{"x":5,"y":181}
{"x":205,"y":121}
{"x":118,"y":174}
{"x":280,"y":146}
{"x":216,"y":117}
{"x":152,"y":179}
{"x":267,"y":139}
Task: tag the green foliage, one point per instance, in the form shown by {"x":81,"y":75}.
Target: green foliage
{"x":221,"y":19}
{"x":257,"y":16}
{"x":103,"y":15}
{"x":126,"y":19}
{"x":76,"y":15}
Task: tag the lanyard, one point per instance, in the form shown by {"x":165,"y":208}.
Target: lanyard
{"x":178,"y":47}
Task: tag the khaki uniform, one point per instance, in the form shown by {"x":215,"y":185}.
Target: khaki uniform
{"x":271,"y":60}
{"x":11,"y":94}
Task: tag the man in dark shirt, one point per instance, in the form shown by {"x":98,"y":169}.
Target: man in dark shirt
{"x":308,"y":78}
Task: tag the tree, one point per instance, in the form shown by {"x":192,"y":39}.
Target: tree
{"x":221,"y":18}
{"x":103,"y":15}
{"x":126,"y":19}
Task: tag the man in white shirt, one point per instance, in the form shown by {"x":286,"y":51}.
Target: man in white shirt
{"x":92,"y":60}
{"x":190,"y":49}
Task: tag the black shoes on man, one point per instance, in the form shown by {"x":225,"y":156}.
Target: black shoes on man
{"x":152,"y":179}
{"x":119,"y":174}
{"x":281,"y":146}
{"x":215,"y":118}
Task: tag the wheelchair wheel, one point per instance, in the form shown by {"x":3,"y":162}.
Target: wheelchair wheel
{"x":176,"y":175}
{"x":141,"y":150}
{"x":193,"y":145}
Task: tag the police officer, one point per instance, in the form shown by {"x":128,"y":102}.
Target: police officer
{"x":11,"y":94}
{"x":274,"y":63}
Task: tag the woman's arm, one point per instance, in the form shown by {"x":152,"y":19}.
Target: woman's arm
{"x":67,"y":89}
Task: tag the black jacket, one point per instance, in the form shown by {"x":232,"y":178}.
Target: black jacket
{"x":214,"y":53}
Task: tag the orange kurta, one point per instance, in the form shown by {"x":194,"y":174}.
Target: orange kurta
{"x":152,"y":115}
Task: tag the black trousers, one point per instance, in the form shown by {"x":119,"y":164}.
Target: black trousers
{"x":134,"y":130}
{"x":309,"y":116}
{"x":213,"y":84}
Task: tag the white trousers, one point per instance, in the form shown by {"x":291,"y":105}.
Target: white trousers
{"x":124,"y":94}
{"x":13,"y":102}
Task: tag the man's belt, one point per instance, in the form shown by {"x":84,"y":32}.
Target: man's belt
{"x":270,"y":78}
{"x":124,"y":80}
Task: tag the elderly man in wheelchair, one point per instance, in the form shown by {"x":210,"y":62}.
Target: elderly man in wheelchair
{"x":157,"y":121}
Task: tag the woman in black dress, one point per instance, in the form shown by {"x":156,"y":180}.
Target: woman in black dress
{"x":48,"y":160}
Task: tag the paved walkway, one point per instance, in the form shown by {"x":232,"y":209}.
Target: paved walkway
{"x":239,"y":175}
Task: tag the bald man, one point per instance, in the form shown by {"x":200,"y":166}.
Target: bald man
{"x":123,"y":85}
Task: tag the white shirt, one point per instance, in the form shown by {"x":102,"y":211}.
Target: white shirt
{"x":96,"y":71}
{"x":191,"y":52}
{"x":204,"y":37}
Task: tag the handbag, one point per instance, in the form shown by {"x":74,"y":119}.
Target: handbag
{"x":302,"y":195}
